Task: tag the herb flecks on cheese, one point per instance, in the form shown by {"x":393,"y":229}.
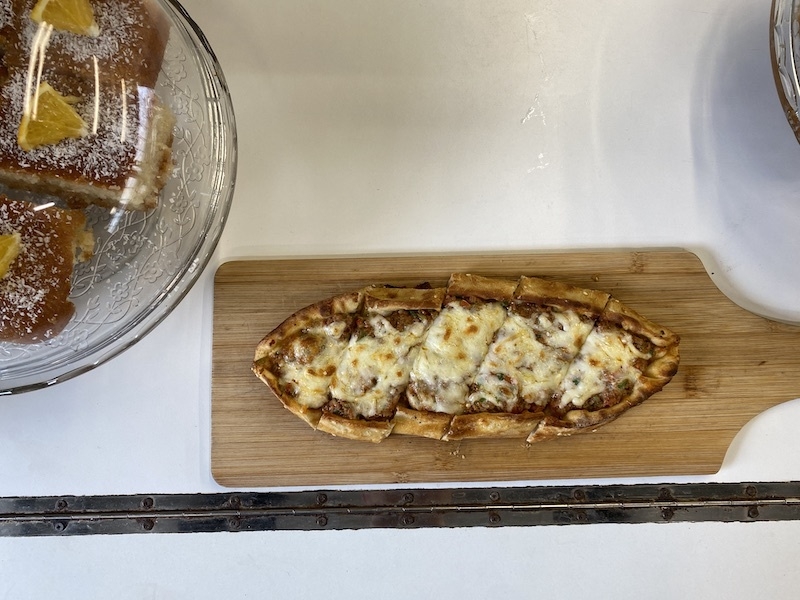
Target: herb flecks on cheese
{"x":527,"y":361}
{"x":609,"y":358}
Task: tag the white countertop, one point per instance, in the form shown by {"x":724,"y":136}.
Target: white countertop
{"x":402,"y":127}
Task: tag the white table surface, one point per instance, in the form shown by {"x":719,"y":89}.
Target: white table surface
{"x":392,"y":126}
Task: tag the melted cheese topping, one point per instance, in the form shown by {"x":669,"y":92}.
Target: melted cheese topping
{"x":375,"y":369}
{"x":562,"y":329}
{"x":311,"y":373}
{"x":527,"y":360}
{"x":454,"y":347}
{"x":607,"y":358}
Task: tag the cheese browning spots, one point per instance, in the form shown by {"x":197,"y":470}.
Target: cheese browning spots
{"x":482,"y":357}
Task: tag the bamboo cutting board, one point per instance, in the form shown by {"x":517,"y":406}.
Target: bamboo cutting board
{"x":734,"y":365}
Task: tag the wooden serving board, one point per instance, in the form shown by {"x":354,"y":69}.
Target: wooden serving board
{"x":734,"y":365}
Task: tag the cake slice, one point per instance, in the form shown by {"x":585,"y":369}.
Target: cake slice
{"x":130,"y":45}
{"x":123,"y":161}
{"x":34,"y":292}
{"x":124,"y":157}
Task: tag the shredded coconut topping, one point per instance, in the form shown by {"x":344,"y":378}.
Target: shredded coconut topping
{"x":124,"y":28}
{"x":112,"y":76}
{"x":5,"y":14}
{"x":106,"y":157}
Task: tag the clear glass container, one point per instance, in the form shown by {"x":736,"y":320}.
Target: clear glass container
{"x":785,"y":48}
{"x":148,"y":171}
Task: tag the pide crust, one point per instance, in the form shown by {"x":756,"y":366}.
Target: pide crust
{"x":391,"y":299}
{"x":419,"y":423}
{"x":576,"y":421}
{"x":655,"y":362}
{"x":355,"y":429}
{"x":466,"y":285}
{"x":494,"y":425}
{"x":546,"y":292}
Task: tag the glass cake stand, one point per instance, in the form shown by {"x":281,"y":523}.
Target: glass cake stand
{"x":785,"y":48}
{"x":145,"y":262}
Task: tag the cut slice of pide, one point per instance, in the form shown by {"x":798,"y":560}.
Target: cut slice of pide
{"x":298,"y":359}
{"x":545,"y":328}
{"x":374,"y":370}
{"x":624,"y":360}
{"x":454,"y":347}
{"x":556,"y":319}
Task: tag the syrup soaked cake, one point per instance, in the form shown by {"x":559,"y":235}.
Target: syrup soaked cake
{"x":123,"y":156}
{"x":130,"y":45}
{"x":123,"y":163}
{"x":34,"y":293}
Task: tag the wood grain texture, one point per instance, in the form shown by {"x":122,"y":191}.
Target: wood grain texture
{"x":734,"y":365}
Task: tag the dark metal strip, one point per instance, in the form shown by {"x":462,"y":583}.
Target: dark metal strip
{"x":399,"y":509}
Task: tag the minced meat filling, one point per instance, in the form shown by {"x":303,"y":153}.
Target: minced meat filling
{"x":347,"y":410}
